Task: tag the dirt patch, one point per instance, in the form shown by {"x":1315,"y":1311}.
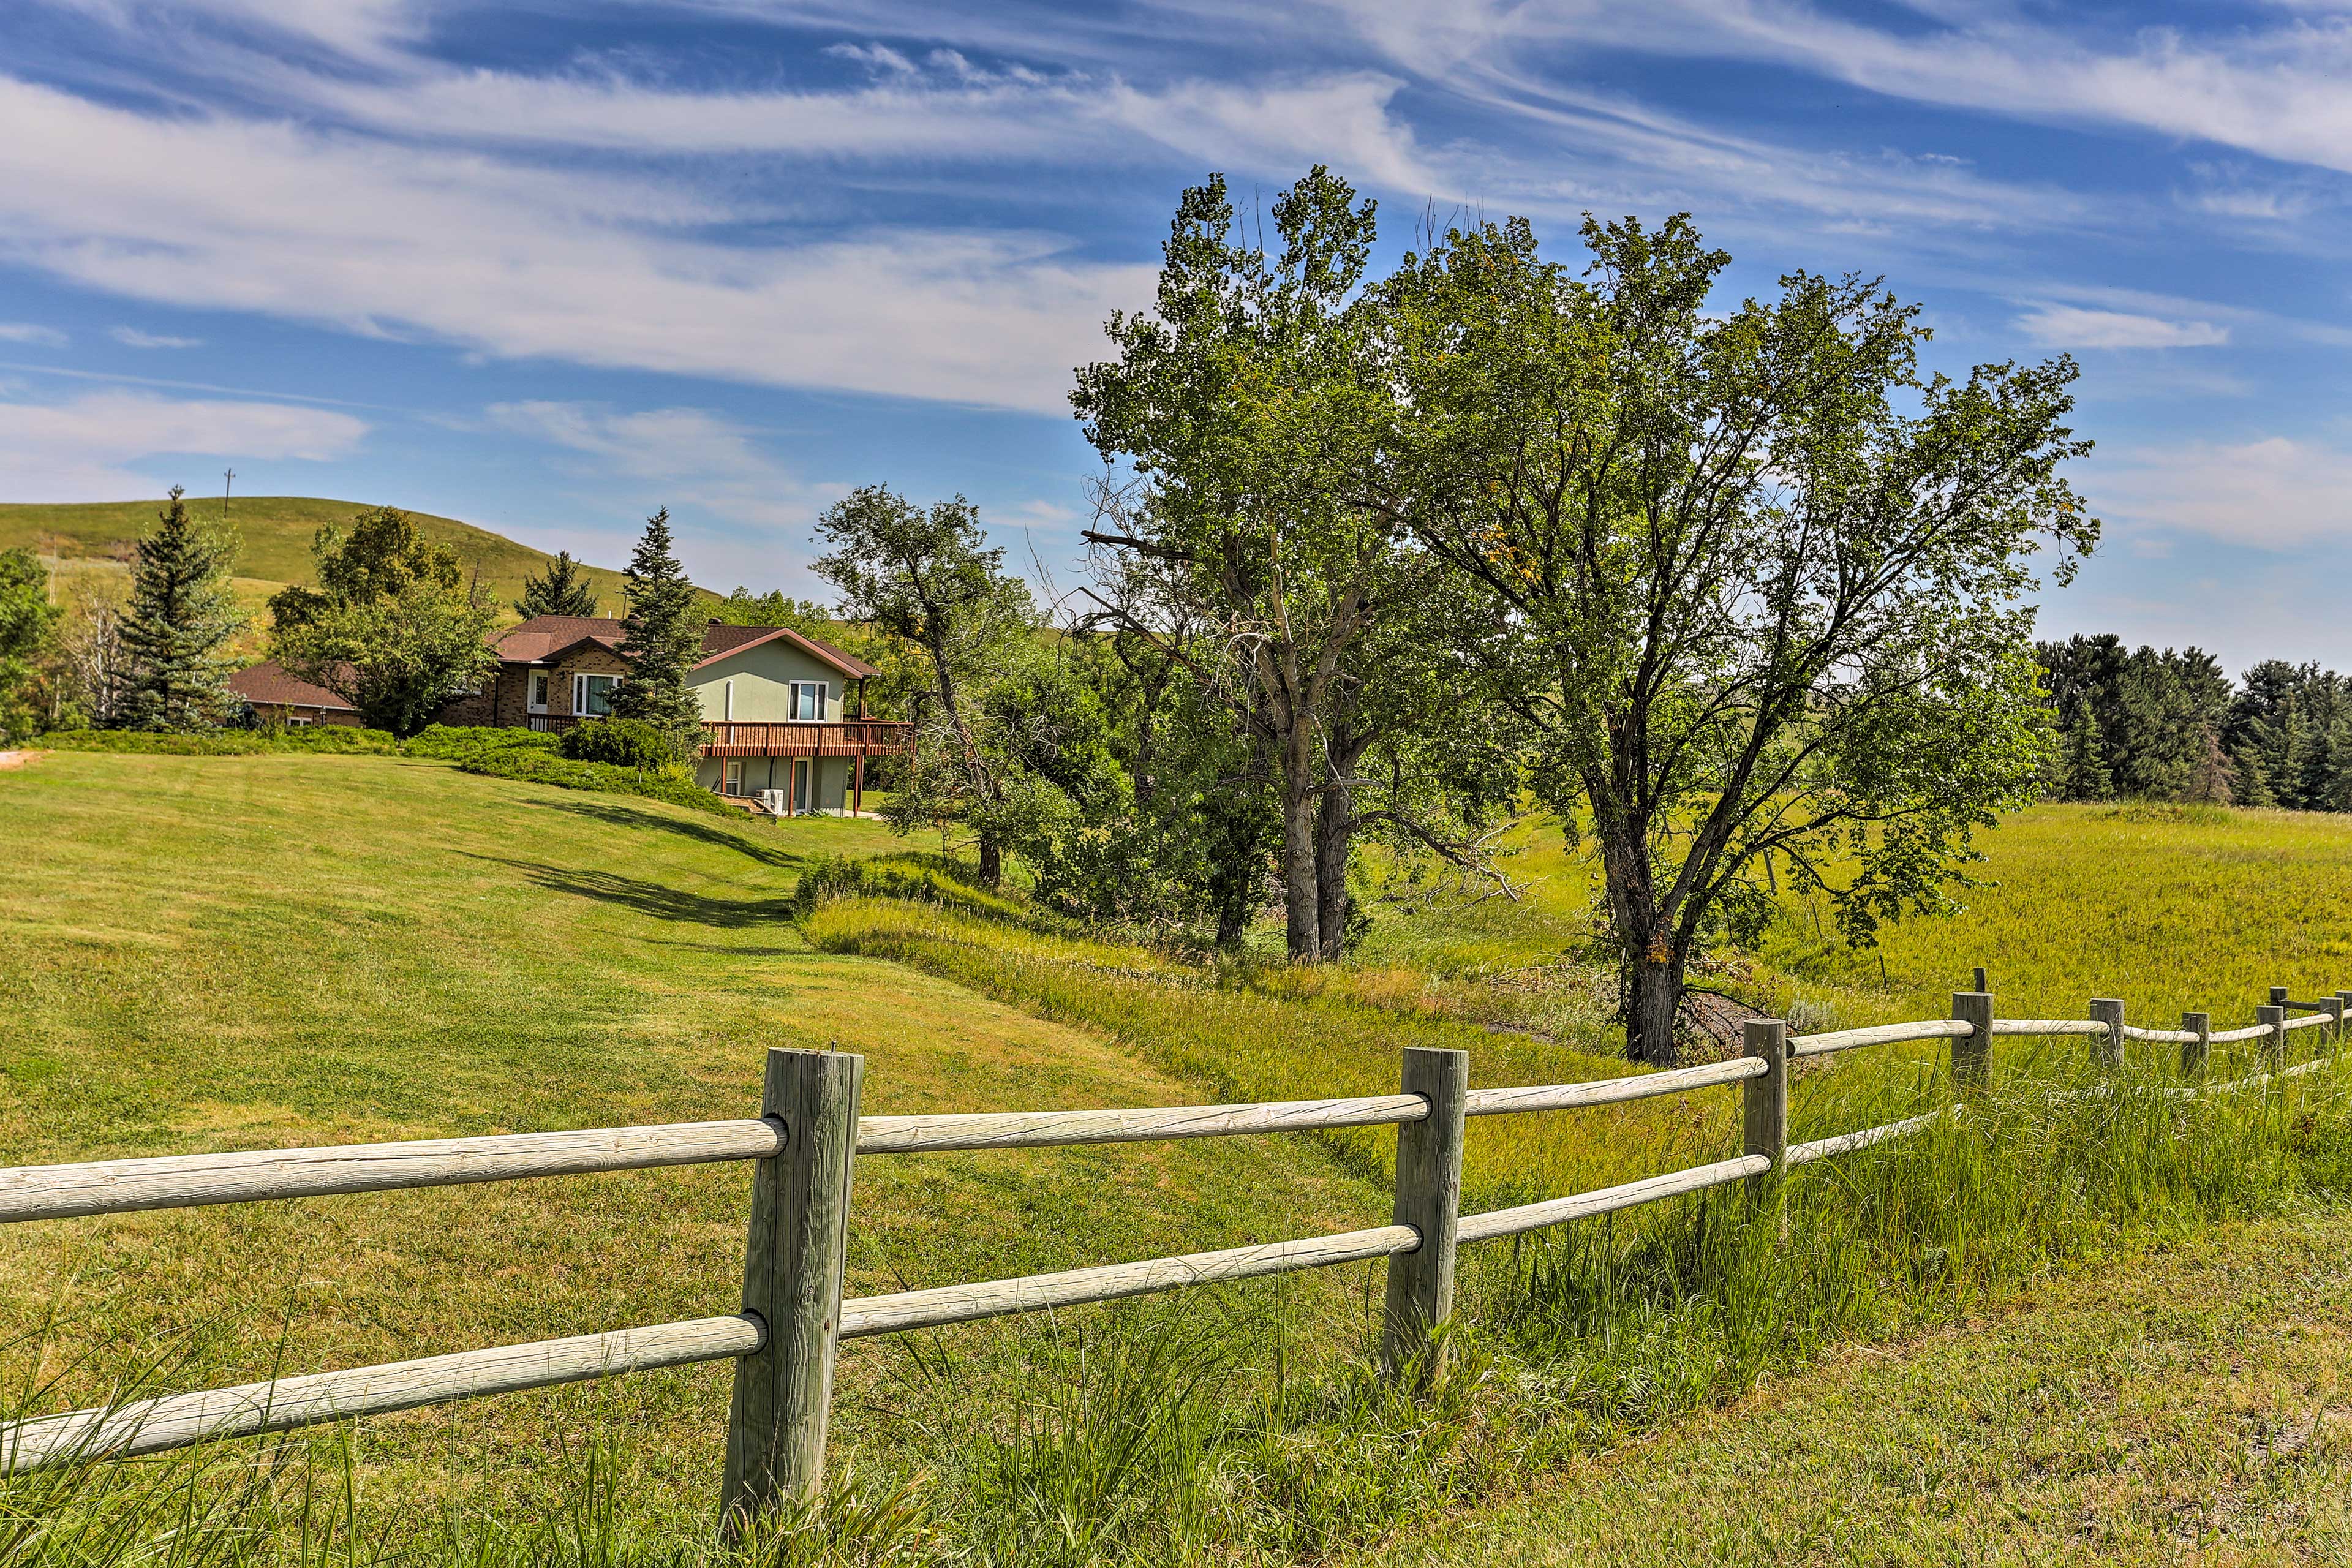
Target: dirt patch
{"x":16,"y":759}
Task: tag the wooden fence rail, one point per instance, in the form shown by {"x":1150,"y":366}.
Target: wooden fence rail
{"x":804,"y":1144}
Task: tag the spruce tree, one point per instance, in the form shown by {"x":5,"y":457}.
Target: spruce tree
{"x":2208,"y":783}
{"x":2086,"y":776}
{"x":662,"y":639}
{"x":180,"y":617}
{"x":2250,"y":783}
{"x":563,"y":589}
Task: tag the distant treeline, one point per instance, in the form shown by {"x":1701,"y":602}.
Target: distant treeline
{"x":2152,"y":725}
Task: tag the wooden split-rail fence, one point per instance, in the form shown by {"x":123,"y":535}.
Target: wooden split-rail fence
{"x":807,"y":1137}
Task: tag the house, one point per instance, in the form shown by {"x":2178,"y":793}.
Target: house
{"x":781,"y":709}
{"x":276,"y":697}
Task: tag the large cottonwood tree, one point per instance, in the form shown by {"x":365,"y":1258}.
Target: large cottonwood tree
{"x":1252,"y":406}
{"x":1764,"y":585}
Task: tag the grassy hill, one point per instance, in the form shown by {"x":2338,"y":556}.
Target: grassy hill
{"x":274,"y":533}
{"x":238,"y":952}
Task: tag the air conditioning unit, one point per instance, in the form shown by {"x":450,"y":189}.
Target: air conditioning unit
{"x":771,"y":801}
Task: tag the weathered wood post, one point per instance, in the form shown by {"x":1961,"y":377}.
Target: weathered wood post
{"x":1428,"y":1198}
{"x":2194,"y":1053}
{"x":2278,"y":995}
{"x":1972,"y":1055}
{"x":792,"y":1268}
{"x":2334,"y":1030}
{"x":1982,"y":984}
{"x":2274,"y":1043}
{"x":2343,"y":1012}
{"x":2109,"y":1010}
{"x":1764,"y":1100}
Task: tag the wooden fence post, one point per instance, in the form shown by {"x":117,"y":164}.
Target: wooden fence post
{"x":2278,"y":995}
{"x":2343,"y":1013}
{"x":792,"y":1268}
{"x":1428,"y":1198}
{"x":1764,"y":1100}
{"x":2334,"y":1030}
{"x":2193,"y":1053}
{"x":1972,"y":1057}
{"x":1983,"y":986}
{"x":2274,"y":1043}
{"x":2109,"y":1010}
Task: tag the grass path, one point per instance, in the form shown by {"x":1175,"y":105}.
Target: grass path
{"x":2187,"y":1404}
{"x":220,"y":952}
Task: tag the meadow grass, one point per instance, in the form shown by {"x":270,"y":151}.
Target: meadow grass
{"x":231,"y":951}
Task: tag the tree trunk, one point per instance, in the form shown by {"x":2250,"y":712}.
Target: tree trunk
{"x":1652,"y":1011}
{"x":1301,"y":884}
{"x":991,"y":862}
{"x":1334,"y":831}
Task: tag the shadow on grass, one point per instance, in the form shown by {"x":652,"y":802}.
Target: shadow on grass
{"x":659,"y":899}
{"x":612,"y":813}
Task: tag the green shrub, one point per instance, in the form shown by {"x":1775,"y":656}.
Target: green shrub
{"x":336,"y":738}
{"x":538,"y":764}
{"x":831,"y":876}
{"x":457,"y":742}
{"x":624,"y":743}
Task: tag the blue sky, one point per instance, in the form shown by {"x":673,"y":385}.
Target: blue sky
{"x":548,"y":267}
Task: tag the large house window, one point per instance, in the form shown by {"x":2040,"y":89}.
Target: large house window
{"x":539,"y":691}
{"x":734,"y":784}
{"x":592,"y":695}
{"x":808,"y":700}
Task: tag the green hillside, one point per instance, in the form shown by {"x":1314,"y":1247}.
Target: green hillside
{"x":275,"y":533}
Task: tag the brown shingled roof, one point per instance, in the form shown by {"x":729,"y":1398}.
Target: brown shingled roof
{"x":269,"y":684}
{"x":543,"y":638}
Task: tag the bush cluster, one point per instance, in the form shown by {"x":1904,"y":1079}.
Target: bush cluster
{"x":539,"y":764}
{"x":623,"y":743}
{"x":459,"y":743}
{"x":333,"y":738}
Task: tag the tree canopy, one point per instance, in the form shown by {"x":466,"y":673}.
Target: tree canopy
{"x":177,"y":627}
{"x":393,"y":629}
{"x":563,"y":589}
{"x":1761,"y":585}
{"x":661,"y":638}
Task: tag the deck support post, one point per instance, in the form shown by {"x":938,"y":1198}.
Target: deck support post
{"x":1428,"y":1198}
{"x":793,"y":1268}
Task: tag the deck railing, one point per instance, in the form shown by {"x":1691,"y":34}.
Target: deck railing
{"x":765,"y":738}
{"x":804,"y":1144}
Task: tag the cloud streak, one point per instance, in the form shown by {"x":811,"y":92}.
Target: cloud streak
{"x":76,"y":449}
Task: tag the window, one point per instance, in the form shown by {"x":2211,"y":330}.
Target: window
{"x":539,"y":691}
{"x":294,"y":722}
{"x":808,"y":701}
{"x":734,"y":784}
{"x":592,"y":695}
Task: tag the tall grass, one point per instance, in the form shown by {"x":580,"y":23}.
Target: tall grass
{"x":1146,"y":1435}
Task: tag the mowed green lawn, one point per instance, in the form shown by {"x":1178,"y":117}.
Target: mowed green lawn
{"x":219,"y":953}
{"x":209,"y":954}
{"x":2187,"y":1404}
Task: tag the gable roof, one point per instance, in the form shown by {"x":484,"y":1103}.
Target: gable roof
{"x":715,"y":647}
{"x":269,"y":683}
{"x":544,"y":637}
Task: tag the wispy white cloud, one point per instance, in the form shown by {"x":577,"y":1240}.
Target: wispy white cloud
{"x":611,"y":272}
{"x":132,"y":337}
{"x":2275,"y":493}
{"x":2073,"y":327}
{"x":79,"y":449}
{"x":30,"y":333}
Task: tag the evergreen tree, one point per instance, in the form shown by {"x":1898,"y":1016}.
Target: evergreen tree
{"x":2084,"y":774}
{"x":2209,"y":780}
{"x":28,"y":622}
{"x":181,"y":616}
{"x":662,"y":639}
{"x":563,"y":589}
{"x":2250,"y":781}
